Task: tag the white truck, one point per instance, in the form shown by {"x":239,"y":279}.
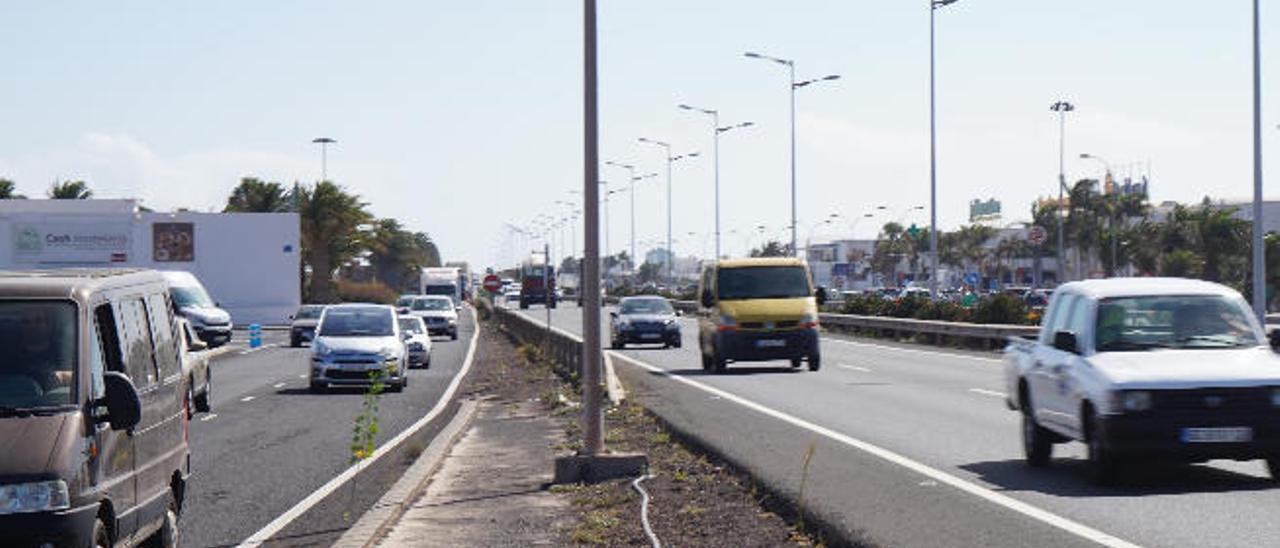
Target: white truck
{"x":1145,"y":369}
{"x":441,"y":281}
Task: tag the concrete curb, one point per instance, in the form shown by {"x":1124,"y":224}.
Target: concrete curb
{"x":611,"y":383}
{"x":377,"y":521}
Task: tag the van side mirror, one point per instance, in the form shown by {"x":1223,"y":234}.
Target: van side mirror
{"x":124,"y":409}
{"x":1066,"y":342}
{"x":707,"y":300}
{"x":820,"y":296}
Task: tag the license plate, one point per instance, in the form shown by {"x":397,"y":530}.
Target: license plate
{"x":1231,"y":434}
{"x":650,"y":336}
{"x":771,"y":343}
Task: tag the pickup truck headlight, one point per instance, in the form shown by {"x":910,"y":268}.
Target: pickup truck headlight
{"x":40,"y":496}
{"x":1135,"y":400}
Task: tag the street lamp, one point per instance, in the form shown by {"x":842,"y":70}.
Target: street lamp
{"x":1062,"y":108}
{"x":1259,"y":261}
{"x":324,"y":143}
{"x":933,"y":155}
{"x":829,"y":220}
{"x":716,"y":131}
{"x":670,"y":160}
{"x":794,"y":85}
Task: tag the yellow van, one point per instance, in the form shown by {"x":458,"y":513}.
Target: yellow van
{"x":758,"y":309}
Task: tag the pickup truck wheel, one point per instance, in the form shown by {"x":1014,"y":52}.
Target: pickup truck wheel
{"x":1036,"y":440}
{"x":1103,"y":464}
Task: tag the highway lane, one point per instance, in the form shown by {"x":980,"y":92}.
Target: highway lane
{"x":269,"y":442}
{"x":945,"y":409}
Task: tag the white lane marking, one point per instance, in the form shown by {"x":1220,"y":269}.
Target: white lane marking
{"x":912,"y":350}
{"x":302,"y":376}
{"x":263,"y":347}
{"x":853,"y":368}
{"x":208,"y":417}
{"x":283,"y":520}
{"x":1033,"y":512}
{"x":278,"y":385}
{"x":247,"y":398}
{"x":991,"y":393}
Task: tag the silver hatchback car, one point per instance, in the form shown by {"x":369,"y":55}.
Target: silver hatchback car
{"x":355,"y":341}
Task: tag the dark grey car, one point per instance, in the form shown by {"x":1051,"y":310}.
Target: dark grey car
{"x":645,"y":320}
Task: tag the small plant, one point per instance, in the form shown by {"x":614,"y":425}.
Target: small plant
{"x":365,"y":433}
{"x":804,"y":478}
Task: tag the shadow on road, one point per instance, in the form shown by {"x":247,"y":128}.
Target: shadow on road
{"x":1069,"y":478}
{"x":732,"y":371}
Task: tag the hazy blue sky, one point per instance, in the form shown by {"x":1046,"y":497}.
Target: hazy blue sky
{"x":456,"y":117}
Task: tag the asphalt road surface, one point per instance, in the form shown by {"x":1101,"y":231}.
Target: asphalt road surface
{"x":268,"y":442}
{"x":876,"y":410}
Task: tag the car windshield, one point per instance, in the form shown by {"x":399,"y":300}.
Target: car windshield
{"x":404,"y":301}
{"x":308,"y":313}
{"x":39,"y":339}
{"x":762,"y":282}
{"x":412,"y":325}
{"x":357,"y":322}
{"x":1196,"y":321}
{"x":645,"y":306}
{"x":432,"y":304}
{"x":190,"y":296}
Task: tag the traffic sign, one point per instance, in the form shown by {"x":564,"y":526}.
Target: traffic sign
{"x":972,"y":278}
{"x":1037,"y":235}
{"x":913,"y":231}
{"x":492,"y":284}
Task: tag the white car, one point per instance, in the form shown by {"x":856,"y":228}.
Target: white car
{"x":353,"y":342}
{"x":1143,"y":369}
{"x":416,"y":340}
{"x":438,"y":313}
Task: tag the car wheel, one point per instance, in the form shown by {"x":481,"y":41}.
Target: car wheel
{"x":676,"y":343}
{"x":202,"y":399}
{"x":1273,"y":467}
{"x":453,"y":335}
{"x":317,"y":388}
{"x":1036,"y":444}
{"x":815,"y":362}
{"x":101,"y":535}
{"x":1103,"y":464}
{"x":616,"y":344}
{"x":397,"y":386}
{"x":295,"y":343}
{"x":797,"y":362}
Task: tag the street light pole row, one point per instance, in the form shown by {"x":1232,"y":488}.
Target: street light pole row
{"x":716,"y":131}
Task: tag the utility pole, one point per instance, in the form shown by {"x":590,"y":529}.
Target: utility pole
{"x":1062,"y":108}
{"x":1259,"y":254}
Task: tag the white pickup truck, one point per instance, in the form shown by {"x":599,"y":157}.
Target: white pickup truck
{"x":1147,"y":368}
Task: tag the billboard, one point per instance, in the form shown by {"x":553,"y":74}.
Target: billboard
{"x":984,"y":211}
{"x":173,"y":242}
{"x":71,"y":243}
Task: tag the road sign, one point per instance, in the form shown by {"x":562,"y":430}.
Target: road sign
{"x":972,"y":278}
{"x":1037,"y":235}
{"x":492,"y":284}
{"x":913,"y":231}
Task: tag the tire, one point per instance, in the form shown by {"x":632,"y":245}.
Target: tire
{"x":295,"y":342}
{"x":190,"y":400}
{"x":1273,"y":467}
{"x":398,"y":386}
{"x":453,"y":335}
{"x":101,"y":535}
{"x":676,"y":344}
{"x":616,"y":344}
{"x":815,"y":362}
{"x":167,"y":536}
{"x":524,"y":305}
{"x":797,"y":362}
{"x":706,"y":361}
{"x":1103,"y":464}
{"x":202,"y":399}
{"x":719,"y":364}
{"x":317,"y":388}
{"x":1037,"y":444}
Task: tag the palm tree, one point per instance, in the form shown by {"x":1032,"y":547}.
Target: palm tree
{"x":253,"y":195}
{"x":331,"y":220}
{"x":430,"y":253}
{"x":70,"y":190}
{"x":394,"y":254}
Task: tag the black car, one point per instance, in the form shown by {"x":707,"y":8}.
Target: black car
{"x":644,"y":320}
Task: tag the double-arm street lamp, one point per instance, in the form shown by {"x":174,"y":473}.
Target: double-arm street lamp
{"x":324,"y":143}
{"x":934,"y":5}
{"x":1062,"y":108}
{"x":631,"y":170}
{"x":716,"y":131}
{"x":791,"y":70}
{"x":670,"y":160}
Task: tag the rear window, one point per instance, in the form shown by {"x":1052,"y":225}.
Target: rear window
{"x":39,"y":364}
{"x":411,"y":325}
{"x":762,"y":282}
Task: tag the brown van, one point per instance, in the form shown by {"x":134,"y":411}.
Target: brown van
{"x":93,"y":446}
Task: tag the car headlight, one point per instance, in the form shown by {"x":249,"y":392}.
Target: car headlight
{"x":1135,"y":400}
{"x":319,"y":351}
{"x":809,"y":321}
{"x":40,"y":496}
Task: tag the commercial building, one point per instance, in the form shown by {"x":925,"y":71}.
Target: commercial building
{"x":249,"y":262}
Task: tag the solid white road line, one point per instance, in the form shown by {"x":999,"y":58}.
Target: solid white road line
{"x":278,"y":385}
{"x":991,"y":393}
{"x":913,"y":350}
{"x":1006,"y":501}
{"x":853,"y":368}
{"x":208,"y":417}
{"x":247,"y":398}
{"x":337,"y":482}
{"x":302,"y":376}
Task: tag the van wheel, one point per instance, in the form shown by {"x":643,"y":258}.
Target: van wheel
{"x":101,"y":535}
{"x":815,"y":362}
{"x":167,"y":536}
{"x":1036,"y":444}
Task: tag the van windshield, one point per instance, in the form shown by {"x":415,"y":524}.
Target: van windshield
{"x":762,"y":282}
{"x":357,"y":322}
{"x":39,"y":363}
{"x":190,"y":297}
{"x":1175,"y":321}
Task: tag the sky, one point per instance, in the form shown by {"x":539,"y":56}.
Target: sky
{"x":461,"y":119}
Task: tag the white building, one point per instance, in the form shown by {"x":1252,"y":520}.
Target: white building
{"x":249,"y":262}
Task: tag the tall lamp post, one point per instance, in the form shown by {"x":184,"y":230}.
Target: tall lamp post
{"x":1062,"y":108}
{"x":1259,"y":259}
{"x":791,"y":70}
{"x":716,"y":130}
{"x":933,"y":155}
{"x":324,"y":143}
{"x":670,"y":160}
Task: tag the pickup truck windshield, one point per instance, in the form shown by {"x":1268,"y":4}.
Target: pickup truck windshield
{"x":1198,"y":321}
{"x":762,"y":282}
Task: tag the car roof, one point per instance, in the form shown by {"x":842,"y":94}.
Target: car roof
{"x":356,"y":306}
{"x":760,"y":261}
{"x":434,"y":298}
{"x":1125,"y":287}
